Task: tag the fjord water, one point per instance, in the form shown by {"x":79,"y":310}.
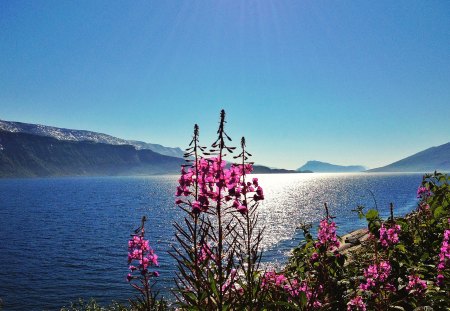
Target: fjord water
{"x":66,"y":238}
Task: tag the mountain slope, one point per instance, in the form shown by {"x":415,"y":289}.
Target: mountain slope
{"x":429,"y":160}
{"x":261,"y":169}
{"x":27,"y":155}
{"x":82,"y":135}
{"x":323,"y":167}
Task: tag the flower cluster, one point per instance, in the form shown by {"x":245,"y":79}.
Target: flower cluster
{"x":389,"y":236}
{"x":139,"y":250}
{"x":416,"y":286}
{"x":423,"y":192}
{"x":271,"y":278}
{"x":444,"y":255}
{"x":214,"y":182}
{"x":292,"y":287}
{"x":327,"y":235}
{"x":377,"y":275}
{"x":356,"y":304}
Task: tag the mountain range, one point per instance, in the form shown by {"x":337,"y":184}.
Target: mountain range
{"x":82,"y":135}
{"x":28,"y":155}
{"x":30,"y":150}
{"x":33,"y":150}
{"x":429,"y":160}
{"x":323,"y":167}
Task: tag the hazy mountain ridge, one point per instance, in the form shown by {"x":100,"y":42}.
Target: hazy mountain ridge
{"x":64,"y":134}
{"x":261,"y":169}
{"x":324,"y":167}
{"x":28,"y":155}
{"x":426,"y":161}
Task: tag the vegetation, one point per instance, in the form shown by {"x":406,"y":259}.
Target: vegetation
{"x":403,"y":264}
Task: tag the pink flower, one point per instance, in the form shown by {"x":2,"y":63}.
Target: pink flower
{"x":356,"y":304}
{"x":242,"y":209}
{"x":327,"y":235}
{"x":444,"y":255}
{"x":139,"y":251}
{"x":377,"y":275}
{"x":293,"y":287}
{"x":389,"y":236}
{"x":211,"y":181}
{"x":416,"y":286}
{"x":423,"y":192}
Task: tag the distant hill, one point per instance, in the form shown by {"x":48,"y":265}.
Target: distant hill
{"x":429,"y":160}
{"x":28,"y":155}
{"x":82,"y":135}
{"x":260,"y":169}
{"x":323,"y":167}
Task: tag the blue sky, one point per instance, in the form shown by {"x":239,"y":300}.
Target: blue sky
{"x":347,"y":82}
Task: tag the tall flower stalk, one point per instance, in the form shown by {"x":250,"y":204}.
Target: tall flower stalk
{"x":140,"y":258}
{"x":249,"y":236}
{"x":190,"y":281}
{"x":216,"y":199}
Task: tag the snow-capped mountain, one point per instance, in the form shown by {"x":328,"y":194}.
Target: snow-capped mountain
{"x":82,"y":135}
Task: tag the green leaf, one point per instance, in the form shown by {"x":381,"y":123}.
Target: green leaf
{"x":372,"y":215}
{"x":302,"y":299}
{"x":438,"y":212}
{"x":212,"y":283}
{"x":401,"y":248}
{"x":396,"y":308}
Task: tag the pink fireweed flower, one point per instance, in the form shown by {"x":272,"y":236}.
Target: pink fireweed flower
{"x":292,"y":287}
{"x":211,"y":181}
{"x":327,"y":235}
{"x":423,"y":192}
{"x":444,"y":255}
{"x":356,"y":304}
{"x":377,"y":275}
{"x":242,"y":209}
{"x":139,"y":251}
{"x":389,"y":236}
{"x":416,"y":286}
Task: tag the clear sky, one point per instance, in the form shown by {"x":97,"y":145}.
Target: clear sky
{"x":346,"y":82}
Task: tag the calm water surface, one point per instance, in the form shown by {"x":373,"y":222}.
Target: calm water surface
{"x":66,"y":238}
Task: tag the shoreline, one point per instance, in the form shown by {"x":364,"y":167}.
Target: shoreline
{"x":352,"y":241}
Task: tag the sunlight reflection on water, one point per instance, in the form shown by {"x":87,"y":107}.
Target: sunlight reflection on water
{"x":295,"y":199}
